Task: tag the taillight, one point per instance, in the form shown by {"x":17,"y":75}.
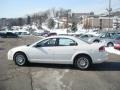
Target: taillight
{"x":102,"y":49}
{"x":117,"y":38}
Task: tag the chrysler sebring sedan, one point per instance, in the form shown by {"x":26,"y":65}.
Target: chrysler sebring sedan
{"x":59,"y":50}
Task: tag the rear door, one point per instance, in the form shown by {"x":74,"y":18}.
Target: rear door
{"x":65,"y":49}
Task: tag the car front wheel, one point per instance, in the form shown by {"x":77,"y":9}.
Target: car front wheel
{"x":96,"y":41}
{"x":20,"y":59}
{"x":83,"y":62}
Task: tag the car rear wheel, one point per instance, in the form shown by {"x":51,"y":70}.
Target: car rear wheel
{"x":110,"y":44}
{"x":20,"y":59}
{"x":83,"y":62}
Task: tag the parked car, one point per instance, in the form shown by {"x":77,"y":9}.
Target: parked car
{"x":9,"y":35}
{"x":78,"y":35}
{"x":22,"y":33}
{"x":94,"y":33}
{"x":51,"y":34}
{"x":41,"y":33}
{"x":86,"y":36}
{"x":1,"y":34}
{"x":117,"y":43}
{"x":59,"y":50}
{"x":108,"y":38}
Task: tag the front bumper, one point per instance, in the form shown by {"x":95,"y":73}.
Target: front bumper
{"x":10,"y":55}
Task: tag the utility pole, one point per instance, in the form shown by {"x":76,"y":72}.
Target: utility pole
{"x":109,"y":12}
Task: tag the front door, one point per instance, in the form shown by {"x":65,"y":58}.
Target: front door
{"x":43,"y":51}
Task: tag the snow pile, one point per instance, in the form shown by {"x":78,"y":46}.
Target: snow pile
{"x":45,"y":27}
{"x":112,"y":50}
{"x":57,"y":21}
{"x":34,"y":27}
{"x":39,"y":31}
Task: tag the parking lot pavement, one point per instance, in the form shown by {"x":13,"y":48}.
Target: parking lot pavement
{"x":103,"y":76}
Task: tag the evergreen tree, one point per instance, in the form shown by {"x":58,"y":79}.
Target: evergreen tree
{"x":51,"y":23}
{"x":74,"y":27}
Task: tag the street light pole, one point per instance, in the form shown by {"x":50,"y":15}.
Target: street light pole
{"x":68,"y":19}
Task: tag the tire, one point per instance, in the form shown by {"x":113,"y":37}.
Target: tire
{"x":20,"y":59}
{"x":83,"y":62}
{"x":110,"y":44}
{"x":96,"y":41}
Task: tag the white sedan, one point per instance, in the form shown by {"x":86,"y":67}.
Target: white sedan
{"x":59,"y":50}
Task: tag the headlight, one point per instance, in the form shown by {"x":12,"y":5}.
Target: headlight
{"x":10,"y":55}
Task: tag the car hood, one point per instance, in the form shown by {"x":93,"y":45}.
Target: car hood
{"x":19,"y":48}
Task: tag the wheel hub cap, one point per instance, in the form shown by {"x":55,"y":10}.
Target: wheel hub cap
{"x":20,"y":59}
{"x":83,"y":62}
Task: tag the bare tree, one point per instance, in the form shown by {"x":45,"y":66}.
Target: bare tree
{"x":28,"y":20}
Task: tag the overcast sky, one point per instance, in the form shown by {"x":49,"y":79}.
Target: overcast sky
{"x":19,"y":8}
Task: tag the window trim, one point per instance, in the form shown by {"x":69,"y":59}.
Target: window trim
{"x":45,"y":40}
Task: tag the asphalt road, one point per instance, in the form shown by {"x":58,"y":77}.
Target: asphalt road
{"x":105,"y":76}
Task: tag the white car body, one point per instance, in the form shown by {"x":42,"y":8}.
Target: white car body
{"x":60,"y":54}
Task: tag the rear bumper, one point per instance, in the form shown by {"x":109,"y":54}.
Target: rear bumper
{"x":117,"y":47}
{"x":100,"y":58}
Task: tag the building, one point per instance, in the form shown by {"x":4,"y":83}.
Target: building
{"x":116,"y":23}
{"x":77,"y":17}
{"x":99,"y":22}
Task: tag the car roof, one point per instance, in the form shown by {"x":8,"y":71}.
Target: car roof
{"x":63,"y":36}
{"x":79,"y":41}
{"x":70,"y":37}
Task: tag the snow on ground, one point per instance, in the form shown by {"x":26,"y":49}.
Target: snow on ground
{"x":112,"y":50}
{"x":59,"y":31}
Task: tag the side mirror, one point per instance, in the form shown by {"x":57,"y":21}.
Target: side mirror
{"x":73,"y":44}
{"x":37,"y":45}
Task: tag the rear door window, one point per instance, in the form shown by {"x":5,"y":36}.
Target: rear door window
{"x":67,"y":42}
